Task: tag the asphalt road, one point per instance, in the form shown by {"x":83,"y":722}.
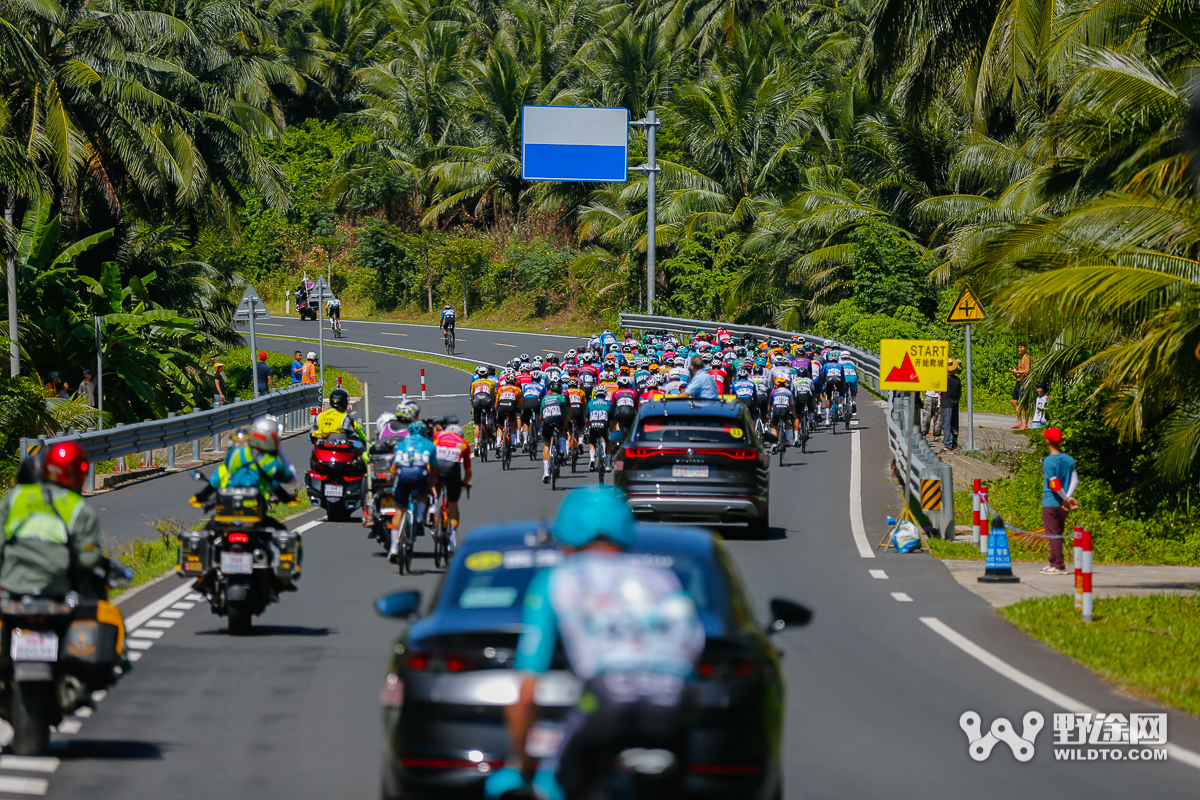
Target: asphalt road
{"x":874,"y":693}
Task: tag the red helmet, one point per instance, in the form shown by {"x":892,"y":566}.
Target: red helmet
{"x":66,"y":465}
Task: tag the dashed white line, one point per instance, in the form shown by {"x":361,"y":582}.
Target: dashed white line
{"x":183,"y":606}
{"x":147,"y":633}
{"x":159,"y":622}
{"x":173,"y":614}
{"x":878,"y":574}
{"x":856,"y":513}
{"x":309,"y":525}
{"x":901,"y":597}
{"x":139,"y":618}
{"x":138,"y":644}
{"x":11,"y":783}
{"x":1027,"y":681}
{"x":29,"y":763}
{"x":67,"y":726}
{"x":83,"y":712}
{"x":136,"y":656}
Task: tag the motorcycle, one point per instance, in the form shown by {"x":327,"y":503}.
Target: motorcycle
{"x":60,"y":651}
{"x":335,"y":475}
{"x":241,"y":558}
{"x":305,"y":309}
{"x":381,"y":505}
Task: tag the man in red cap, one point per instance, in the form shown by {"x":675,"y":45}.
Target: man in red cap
{"x":1058,"y":485}
{"x":262,"y":372}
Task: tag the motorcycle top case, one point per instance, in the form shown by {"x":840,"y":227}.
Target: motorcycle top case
{"x":240,"y":505}
{"x":289,"y":553}
{"x":99,"y":642}
{"x":195,"y":554}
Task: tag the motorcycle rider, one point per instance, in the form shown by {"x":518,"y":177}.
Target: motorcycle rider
{"x":257,"y":461}
{"x":49,"y":529}
{"x":632,"y":635}
{"x":335,"y":418}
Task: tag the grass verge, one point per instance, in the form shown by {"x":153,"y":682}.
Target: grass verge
{"x":1149,"y":645}
{"x":237,"y":370}
{"x":151,"y":558}
{"x":453,"y":363}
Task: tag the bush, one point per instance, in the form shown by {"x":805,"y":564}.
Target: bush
{"x":889,"y":275}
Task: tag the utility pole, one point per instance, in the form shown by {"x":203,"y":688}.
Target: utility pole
{"x":650,"y":123}
{"x":99,"y":378}
{"x":14,"y":352}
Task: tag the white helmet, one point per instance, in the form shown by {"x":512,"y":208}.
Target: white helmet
{"x":264,"y":434}
{"x":384,"y":422}
{"x":311,"y":356}
{"x":454,"y":429}
{"x":447,"y":307}
{"x":481,"y":371}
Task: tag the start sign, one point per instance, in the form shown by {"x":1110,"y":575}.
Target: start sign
{"x":913,"y":365}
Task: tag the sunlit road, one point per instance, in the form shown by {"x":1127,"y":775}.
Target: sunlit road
{"x":874,"y":693}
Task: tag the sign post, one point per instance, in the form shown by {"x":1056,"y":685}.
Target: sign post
{"x":99,"y":378}
{"x":968,"y":309}
{"x":251,"y":306}
{"x":650,"y":168}
{"x":912,"y":365}
{"x":321,"y":291}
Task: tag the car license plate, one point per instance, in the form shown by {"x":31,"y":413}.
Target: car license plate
{"x":237,"y":563}
{"x":543,"y":740}
{"x":678,"y":471}
{"x":334,"y":489}
{"x":34,"y":646}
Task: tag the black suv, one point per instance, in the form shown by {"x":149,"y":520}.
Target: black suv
{"x":690,"y":460}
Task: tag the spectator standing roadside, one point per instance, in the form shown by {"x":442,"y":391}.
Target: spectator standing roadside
{"x":931,"y":414}
{"x":1020,"y":372}
{"x":1059,"y":481}
{"x":1039,"y":407}
{"x":87,"y":389}
{"x":262,"y":373}
{"x":219,"y":386}
{"x":64,"y":391}
{"x":297,"y":369}
{"x":309,"y":372}
{"x":949,"y":403}
{"x":702,"y":385}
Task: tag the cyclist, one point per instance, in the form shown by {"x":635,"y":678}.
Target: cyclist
{"x":531,"y":397}
{"x":783,"y":408}
{"x":578,"y":403}
{"x":625,"y":402}
{"x":508,"y":406}
{"x":333,"y":310}
{"x":447,"y":320}
{"x":599,"y":419}
{"x":554,"y":411}
{"x":483,"y":399}
{"x":416,"y":470}
{"x":746,"y":391}
{"x":831,"y":376}
{"x":802,"y":389}
{"x":631,"y":634}
{"x":454,"y":470}
{"x":850,"y":376}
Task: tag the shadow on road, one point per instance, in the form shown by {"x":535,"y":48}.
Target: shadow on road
{"x":113,"y":750}
{"x":274,"y":630}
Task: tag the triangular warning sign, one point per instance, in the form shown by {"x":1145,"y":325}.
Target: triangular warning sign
{"x":967,"y":308}
{"x":905,"y":373}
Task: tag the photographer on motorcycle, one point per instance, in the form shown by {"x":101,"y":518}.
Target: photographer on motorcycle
{"x":257,"y":462}
{"x":631,"y":633}
{"x":51,"y":534}
{"x":335,"y":418}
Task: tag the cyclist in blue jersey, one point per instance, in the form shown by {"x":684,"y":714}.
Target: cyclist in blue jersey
{"x":531,"y":404}
{"x":850,"y":376}
{"x":447,"y":320}
{"x":831,"y":377}
{"x":631,"y":634}
{"x":746,"y":391}
{"x":415,"y":461}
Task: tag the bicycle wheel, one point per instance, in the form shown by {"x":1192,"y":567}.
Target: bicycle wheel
{"x":782,"y":447}
{"x":403,"y":541}
{"x":553,"y":467}
{"x":600,"y":450}
{"x":485,"y":441}
{"x":410,"y":544}
{"x":846,"y":413}
{"x":439,"y":530}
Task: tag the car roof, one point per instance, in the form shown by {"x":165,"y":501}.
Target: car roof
{"x":691,"y":408}
{"x":649,"y":536}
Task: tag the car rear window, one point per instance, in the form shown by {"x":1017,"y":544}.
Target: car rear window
{"x":497,"y":579}
{"x":691,"y":430}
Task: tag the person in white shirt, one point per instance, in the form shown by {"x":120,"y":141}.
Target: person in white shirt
{"x":1039,"y":407}
{"x":931,"y":415}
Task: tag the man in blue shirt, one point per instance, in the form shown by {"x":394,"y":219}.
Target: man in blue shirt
{"x":1059,"y":482}
{"x":702,"y":386}
{"x":297,"y":368}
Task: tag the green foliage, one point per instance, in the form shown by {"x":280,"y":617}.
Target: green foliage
{"x":701,"y":274}
{"x":379,"y":252}
{"x":889,"y":275}
{"x":238,"y":374}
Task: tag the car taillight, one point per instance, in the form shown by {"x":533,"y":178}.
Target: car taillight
{"x":239,"y":538}
{"x":417,"y":661}
{"x":435,"y":661}
{"x":739,"y":454}
{"x":726,"y":668}
{"x":639,"y":452}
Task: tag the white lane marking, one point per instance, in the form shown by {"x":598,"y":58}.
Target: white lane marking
{"x":193,"y":597}
{"x":160,"y":623}
{"x":100,"y":695}
{"x":147,"y":633}
{"x":308,"y":526}
{"x":29,"y":763}
{"x":83,"y":712}
{"x":856,"y":512}
{"x":460,"y":328}
{"x":878,"y":574}
{"x":901,"y":597}
{"x":402,"y":350}
{"x":183,"y":606}
{"x":69,"y":725}
{"x":853,"y":422}
{"x":1027,"y":681}
{"x":136,"y":656}
{"x":11,"y":783}
{"x":139,"y":618}
{"x":405,"y":397}
{"x":171,"y":614}
{"x":139,"y":644}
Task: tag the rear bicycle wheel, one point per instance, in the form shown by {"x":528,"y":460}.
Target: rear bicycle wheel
{"x":439,"y":530}
{"x":782,"y":448}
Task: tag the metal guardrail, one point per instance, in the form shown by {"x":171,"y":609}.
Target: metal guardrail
{"x":867,"y":361}
{"x":290,"y":405}
{"x":930,"y":476}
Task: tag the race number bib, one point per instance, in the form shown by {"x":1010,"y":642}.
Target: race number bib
{"x":598,"y":416}
{"x":782,"y":401}
{"x":448,"y":454}
{"x":551,"y":412}
{"x":625,"y":402}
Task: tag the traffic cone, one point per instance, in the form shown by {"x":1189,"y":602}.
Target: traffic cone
{"x":999,"y":561}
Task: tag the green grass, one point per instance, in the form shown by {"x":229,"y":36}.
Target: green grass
{"x":453,"y":363}
{"x":1150,"y":645}
{"x":237,"y":370}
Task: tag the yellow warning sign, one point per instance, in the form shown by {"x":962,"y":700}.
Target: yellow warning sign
{"x":967,"y":308}
{"x":931,"y":494}
{"x":914,"y":365}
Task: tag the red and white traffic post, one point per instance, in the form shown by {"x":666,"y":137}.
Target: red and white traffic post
{"x":975,"y":513}
{"x":1078,"y":568}
{"x":403,"y":392}
{"x":984,"y":521}
{"x":1087,"y":575}
{"x":422,"y":383}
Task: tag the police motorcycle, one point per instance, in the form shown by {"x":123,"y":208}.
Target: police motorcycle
{"x":241,"y":558}
{"x":61,"y":650}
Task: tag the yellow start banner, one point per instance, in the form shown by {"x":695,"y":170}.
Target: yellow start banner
{"x":913,"y":365}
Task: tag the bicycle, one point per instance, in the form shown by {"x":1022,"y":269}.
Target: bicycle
{"x":407,"y":536}
{"x":784,"y":425}
{"x":601,"y":448}
{"x":506,"y":450}
{"x":846,"y":410}
{"x":554,"y":460}
{"x":448,"y":338}
{"x":441,"y":530}
{"x":804,"y":420}
{"x":336,"y":324}
{"x":483,"y":437}
{"x":834,"y":406}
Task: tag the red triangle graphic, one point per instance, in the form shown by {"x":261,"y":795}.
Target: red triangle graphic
{"x":905,"y":373}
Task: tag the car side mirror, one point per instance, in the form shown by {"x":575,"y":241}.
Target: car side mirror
{"x":197,"y":475}
{"x":616,"y":436}
{"x":398,"y":605}
{"x":785,"y":613}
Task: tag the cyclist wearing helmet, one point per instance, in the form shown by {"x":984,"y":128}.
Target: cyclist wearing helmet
{"x":531,"y":399}
{"x":554,"y":412}
{"x":850,"y":377}
{"x":454,"y":470}
{"x":599,"y":419}
{"x":416,"y":465}
{"x":625,"y":403}
{"x":483,"y":399}
{"x":335,"y":418}
{"x":389,"y":426}
{"x":257,"y":462}
{"x":631,"y":634}
{"x":578,"y":401}
{"x":447,"y":320}
{"x":508,"y":406}
{"x":831,"y":376}
{"x":783,"y":407}
{"x":51,"y":539}
{"x":746,"y":391}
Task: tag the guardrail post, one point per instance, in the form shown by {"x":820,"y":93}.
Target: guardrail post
{"x":195,"y":443}
{"x":148,"y":456}
{"x":170,"y":447}
{"x":217,"y":403}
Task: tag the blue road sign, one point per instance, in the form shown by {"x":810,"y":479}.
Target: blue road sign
{"x":563,"y":143}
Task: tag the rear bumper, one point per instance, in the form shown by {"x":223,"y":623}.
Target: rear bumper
{"x":693,"y":508}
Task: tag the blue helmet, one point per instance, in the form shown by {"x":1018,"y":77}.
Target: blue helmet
{"x":592,"y":512}
{"x":418,"y":428}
